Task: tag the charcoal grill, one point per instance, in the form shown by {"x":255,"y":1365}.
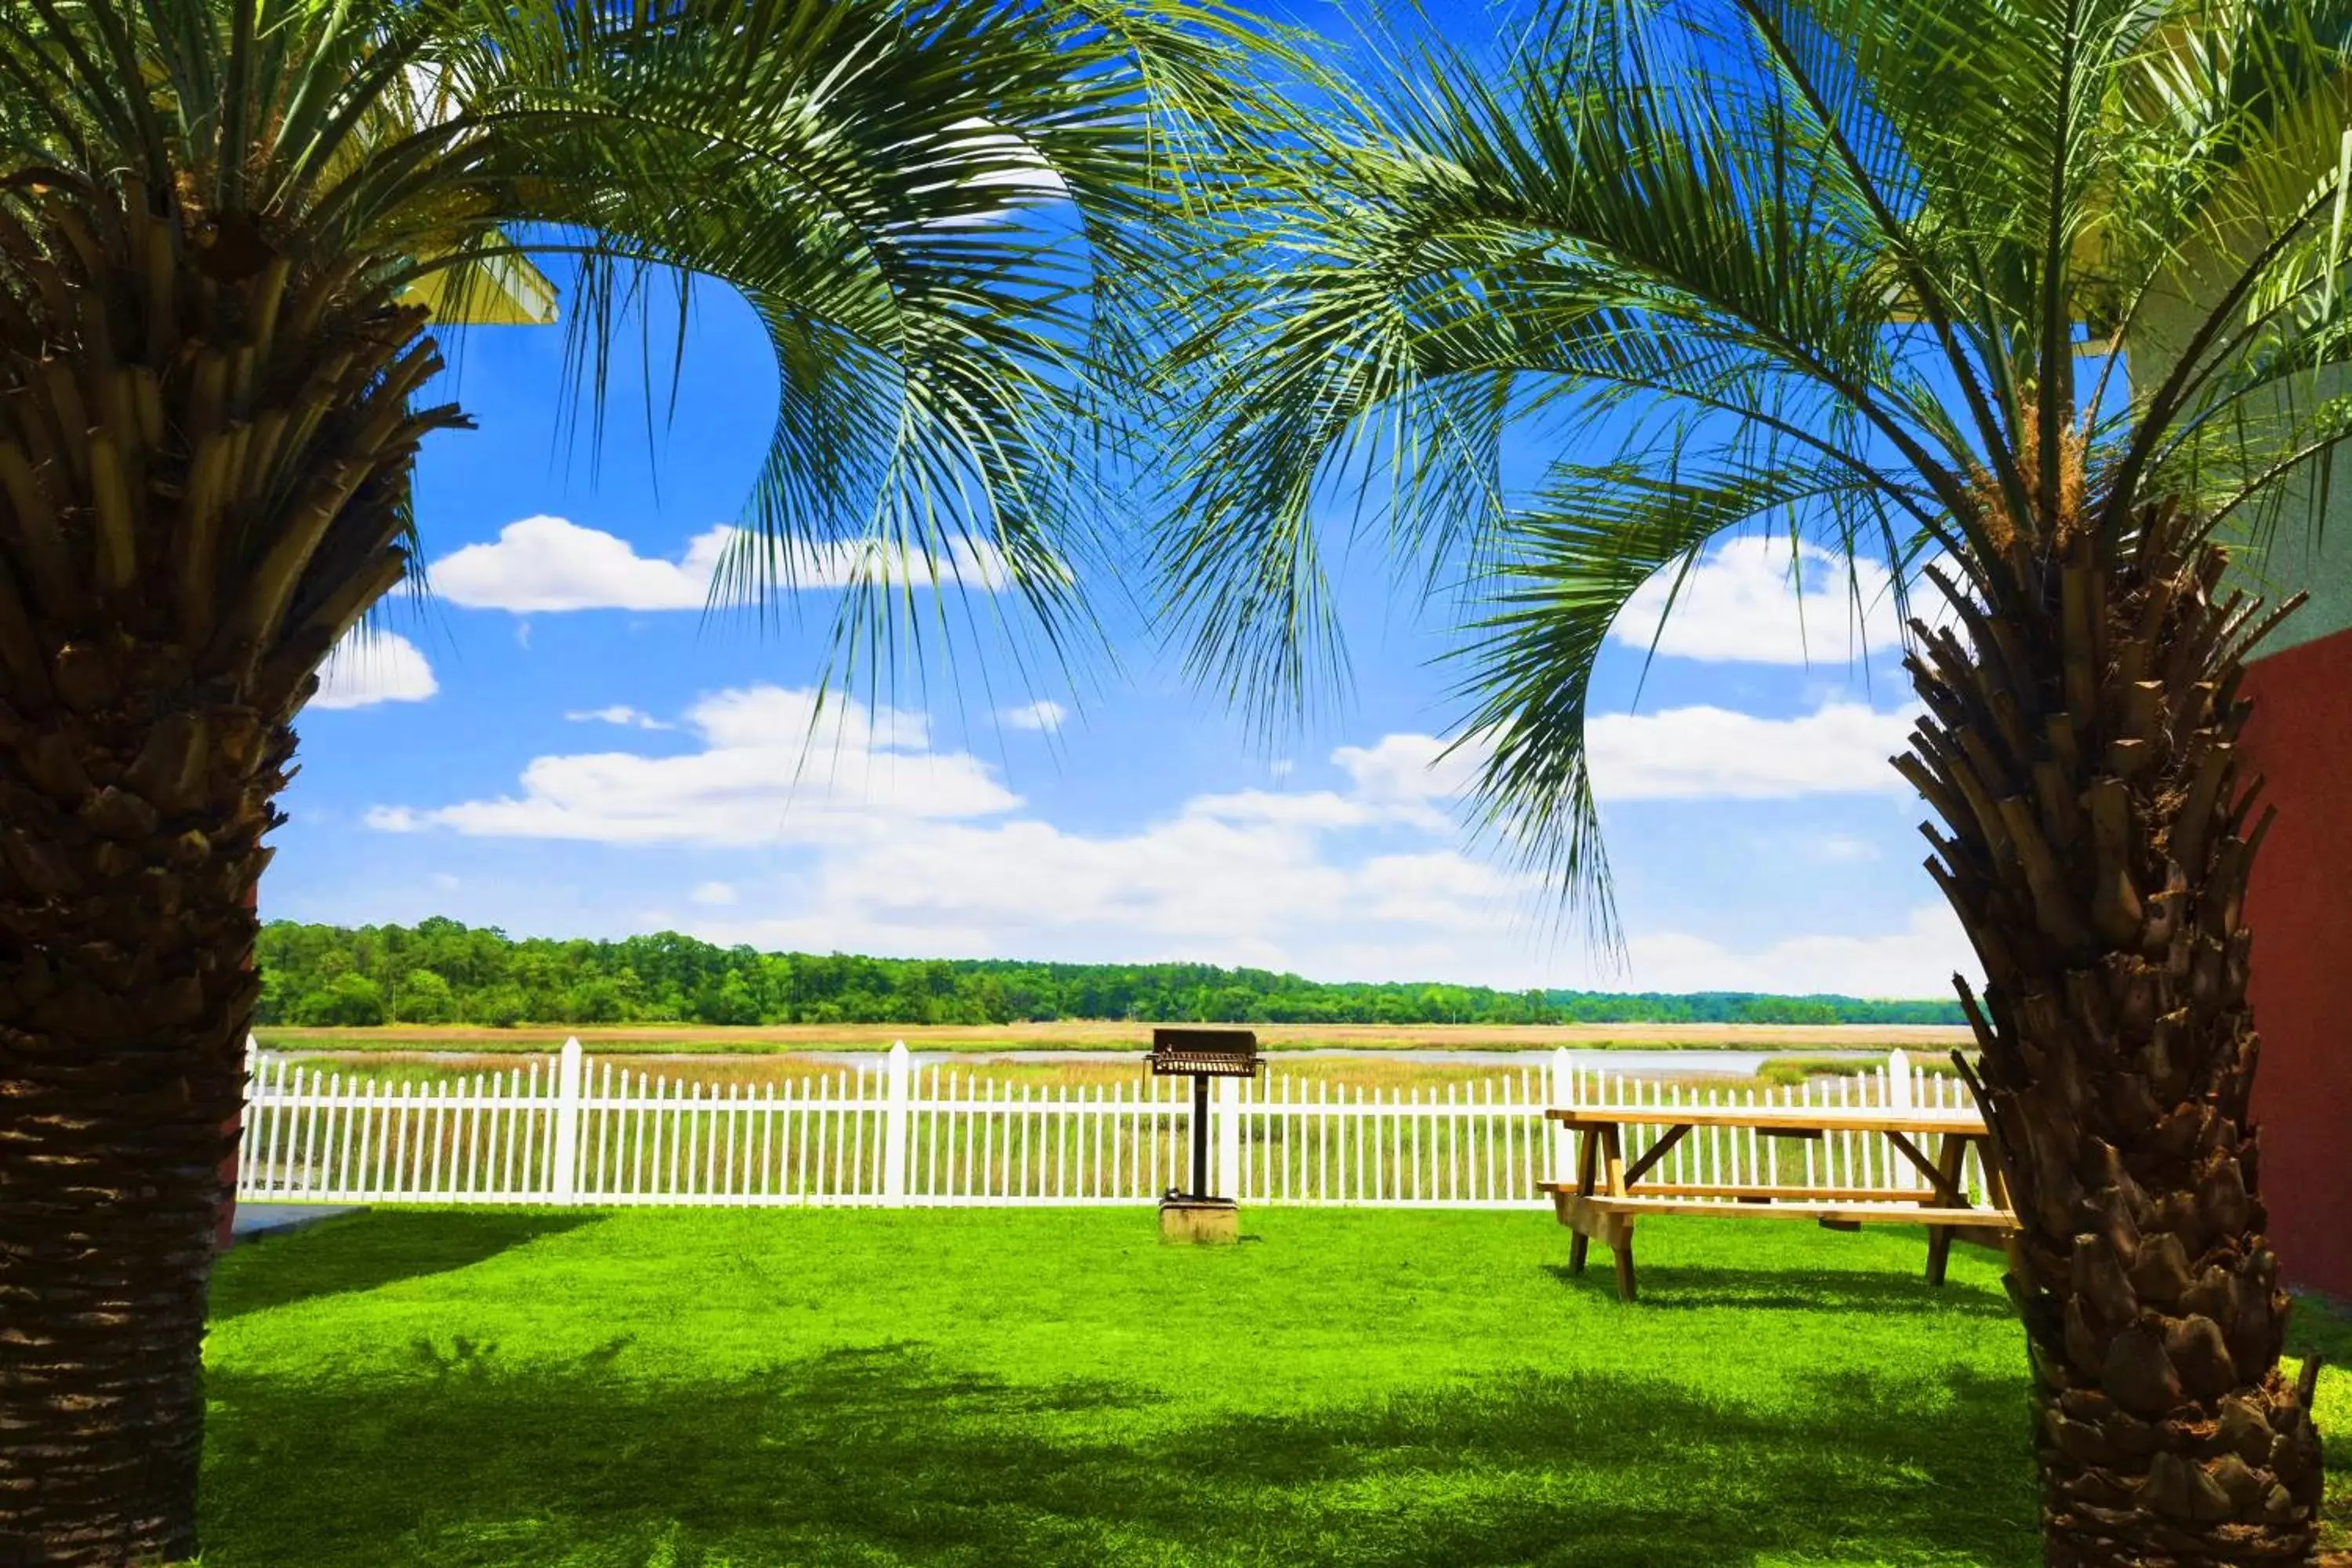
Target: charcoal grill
{"x":1202,"y":1055}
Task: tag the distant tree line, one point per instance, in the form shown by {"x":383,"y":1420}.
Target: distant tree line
{"x":439,"y":972}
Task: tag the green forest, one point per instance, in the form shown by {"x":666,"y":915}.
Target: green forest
{"x":440,"y":972}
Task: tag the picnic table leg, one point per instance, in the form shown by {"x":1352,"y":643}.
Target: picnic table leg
{"x":1620,"y":1235}
{"x":1587,"y":1154}
{"x":1939,"y":1237}
{"x":1621,"y":1245}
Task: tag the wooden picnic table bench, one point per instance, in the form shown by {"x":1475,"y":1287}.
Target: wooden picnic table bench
{"x":1602,"y":1205}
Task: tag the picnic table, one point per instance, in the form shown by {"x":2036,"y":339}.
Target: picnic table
{"x":1602,"y":1203}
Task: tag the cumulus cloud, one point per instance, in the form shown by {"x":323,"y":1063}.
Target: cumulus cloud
{"x":1408,"y":780}
{"x":368,"y":667}
{"x":619,"y":713}
{"x":776,"y":767}
{"x":1305,"y":808}
{"x":1682,"y":753}
{"x":850,"y":828}
{"x":1200,"y":884}
{"x":910,"y":848}
{"x":549,"y":564}
{"x":1705,"y":752}
{"x":1021,"y":178}
{"x":1917,"y":960}
{"x":1413,"y":778}
{"x":1040,"y":715}
{"x":1742,"y":604}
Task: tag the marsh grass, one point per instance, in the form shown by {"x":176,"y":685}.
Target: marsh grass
{"x":1370,"y":1074}
{"x":1079,"y":1033}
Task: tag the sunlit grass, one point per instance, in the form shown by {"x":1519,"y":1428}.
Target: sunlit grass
{"x":698,"y":1388}
{"x":753,"y":1388}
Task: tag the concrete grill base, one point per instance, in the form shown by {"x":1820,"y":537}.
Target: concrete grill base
{"x":1205,"y":1222}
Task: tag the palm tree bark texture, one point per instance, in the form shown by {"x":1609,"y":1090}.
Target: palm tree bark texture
{"x":205,"y":451}
{"x":2079,"y":744}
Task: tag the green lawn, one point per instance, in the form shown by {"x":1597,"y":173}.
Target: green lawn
{"x":749,"y":1388}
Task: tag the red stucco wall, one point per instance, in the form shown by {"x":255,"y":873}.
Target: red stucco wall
{"x":2300,"y":906}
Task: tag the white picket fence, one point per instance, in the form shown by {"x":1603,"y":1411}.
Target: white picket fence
{"x":563,"y":1129}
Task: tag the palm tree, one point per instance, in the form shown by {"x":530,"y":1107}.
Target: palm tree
{"x":222,"y":224}
{"x":2031,"y":302}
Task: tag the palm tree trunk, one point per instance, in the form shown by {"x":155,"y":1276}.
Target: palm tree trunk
{"x":204,"y":443}
{"x":122,"y":1015}
{"x":2079,"y":744}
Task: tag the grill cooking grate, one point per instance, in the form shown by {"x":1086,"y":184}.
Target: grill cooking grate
{"x":1204,"y":1053}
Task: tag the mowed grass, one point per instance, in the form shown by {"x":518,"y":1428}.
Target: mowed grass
{"x":693,"y":1389}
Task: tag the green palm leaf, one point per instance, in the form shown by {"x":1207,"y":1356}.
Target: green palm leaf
{"x":222,"y":225}
{"x":941,"y":213}
{"x":1849,"y":251}
{"x":1582,"y":547}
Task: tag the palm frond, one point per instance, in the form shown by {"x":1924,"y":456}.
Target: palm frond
{"x":1580,"y":549}
{"x":1863,"y":239}
{"x":944,"y":212}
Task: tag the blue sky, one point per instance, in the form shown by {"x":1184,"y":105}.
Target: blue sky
{"x":560,"y":743}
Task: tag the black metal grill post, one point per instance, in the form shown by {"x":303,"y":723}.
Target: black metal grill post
{"x":1199,"y":1135}
{"x":1202,"y":1055}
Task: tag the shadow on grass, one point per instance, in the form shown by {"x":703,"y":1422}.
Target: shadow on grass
{"x":2320,"y":1324}
{"x":1684,"y":1287}
{"x":392,"y":1246}
{"x":2323,"y":1326}
{"x":885,"y":1455}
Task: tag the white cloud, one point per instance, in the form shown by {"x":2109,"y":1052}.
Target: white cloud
{"x":1917,"y":961}
{"x":844,"y":829}
{"x":619,"y":714}
{"x":1402,"y":780}
{"x":1278,"y":895}
{"x":366,"y":669}
{"x":1311,"y":808}
{"x":1413,"y":778}
{"x":1040,"y":715}
{"x":1025,"y":179}
{"x":915,"y":850}
{"x":1741,"y":604}
{"x":1703,"y":753}
{"x":775,"y":769}
{"x":1198,"y":885}
{"x":550,"y":564}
